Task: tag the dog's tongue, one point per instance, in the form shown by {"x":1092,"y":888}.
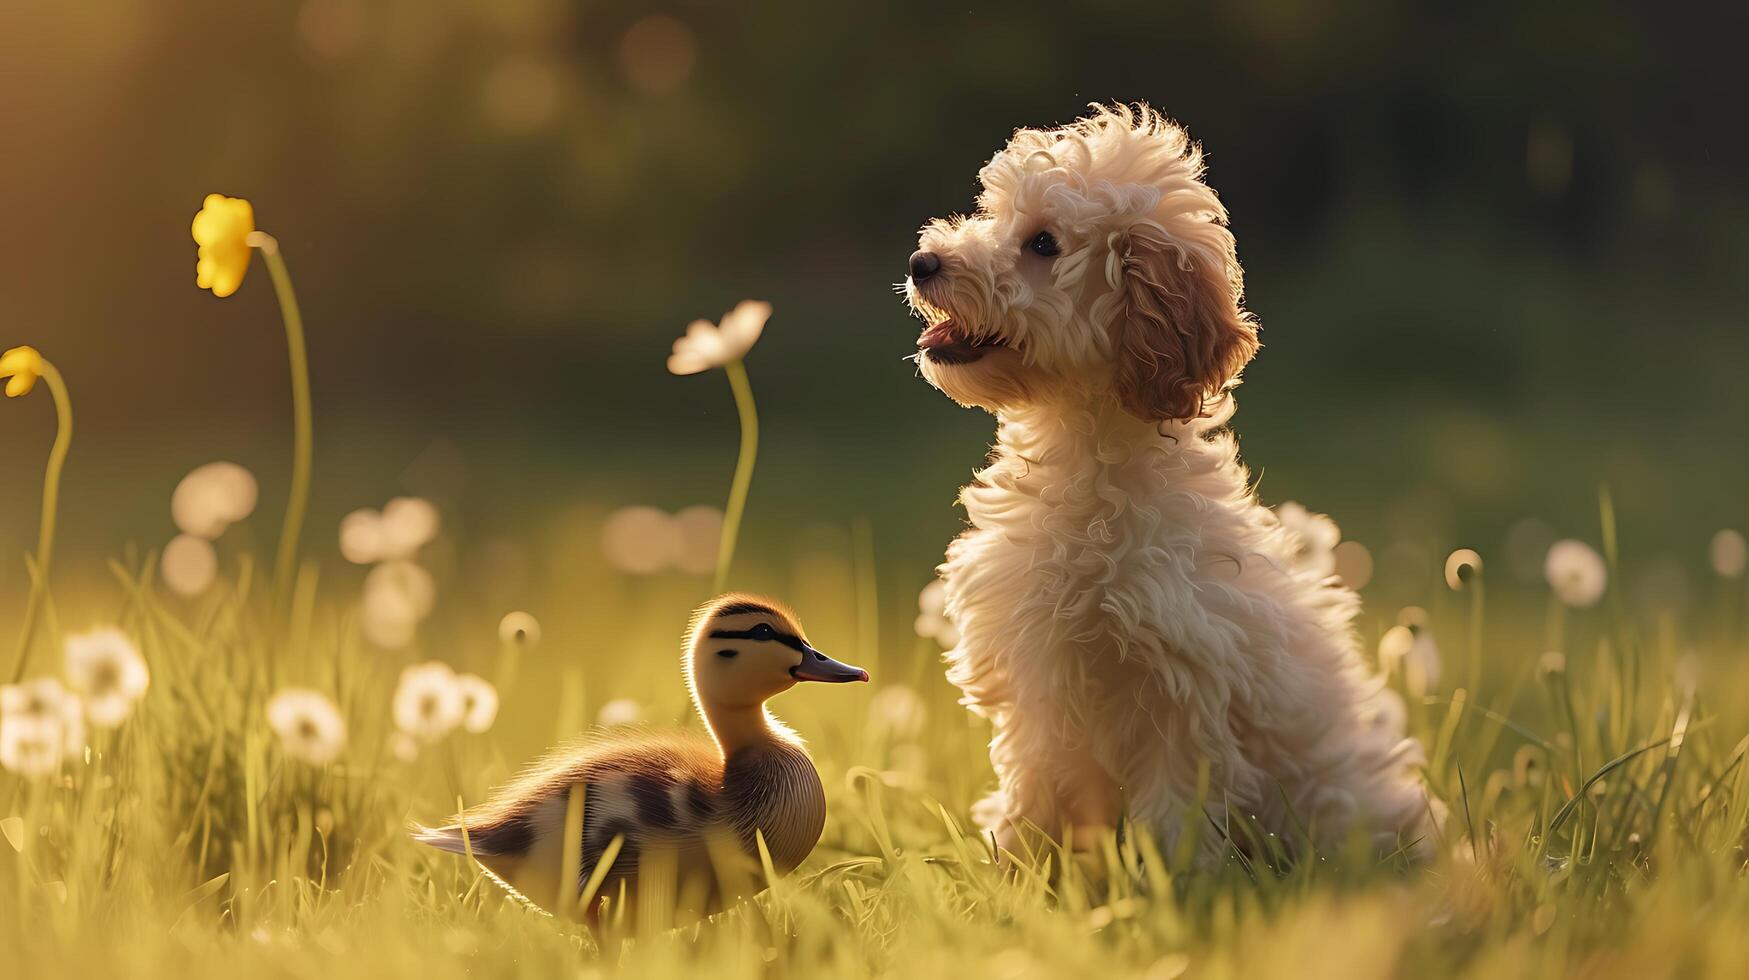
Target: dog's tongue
{"x":939,"y":335}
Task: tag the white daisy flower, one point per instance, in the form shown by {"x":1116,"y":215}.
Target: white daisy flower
{"x":1576,"y":572}
{"x":429,"y":702}
{"x":213,"y":497}
{"x":619,"y":711}
{"x":707,"y":345}
{"x":189,"y":565}
{"x":107,"y":670}
{"x":308,"y":724}
{"x":519,"y":629}
{"x":479,"y":702}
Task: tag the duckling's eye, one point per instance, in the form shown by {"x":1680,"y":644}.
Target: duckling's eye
{"x":1044,"y":243}
{"x":762,"y":632}
{"x":727,"y":654}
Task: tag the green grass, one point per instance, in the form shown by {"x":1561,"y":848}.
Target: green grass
{"x":1597,"y":813}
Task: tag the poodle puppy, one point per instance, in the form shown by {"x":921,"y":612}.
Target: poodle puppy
{"x":1146,"y":638}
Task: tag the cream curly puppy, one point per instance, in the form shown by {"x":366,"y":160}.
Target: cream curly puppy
{"x":1130,"y":616}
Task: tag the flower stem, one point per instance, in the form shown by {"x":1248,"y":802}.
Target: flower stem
{"x":743,"y":389}
{"x":286,"y":563}
{"x":45,"y":546}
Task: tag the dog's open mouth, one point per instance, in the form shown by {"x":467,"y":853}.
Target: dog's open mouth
{"x":944,"y":342}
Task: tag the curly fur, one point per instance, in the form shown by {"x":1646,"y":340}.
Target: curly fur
{"x":1130,"y":615}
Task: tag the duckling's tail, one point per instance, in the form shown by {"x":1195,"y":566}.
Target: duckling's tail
{"x":449,"y":839}
{"x":507,"y":835}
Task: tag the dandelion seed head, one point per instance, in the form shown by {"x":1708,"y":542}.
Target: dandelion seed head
{"x":429,"y":702}
{"x":706,"y":345}
{"x":408,"y":524}
{"x":1576,"y":573}
{"x":309,"y":726}
{"x":41,"y":724}
{"x":213,"y":497}
{"x":519,"y":629}
{"x":932,"y":600}
{"x":619,"y":712}
{"x":640,"y":540}
{"x":1411,"y":651}
{"x":189,"y":565}
{"x":1461,"y":567}
{"x":387,"y":619}
{"x":1353,"y":564}
{"x":701,"y":533}
{"x":30,"y":749}
{"x":1551,"y":663}
{"x":948,"y":636}
{"x":479,"y":702}
{"x":1728,"y":553}
{"x":1314,"y":537}
{"x":407,"y":581}
{"x":1394,"y":646}
{"x":898,"y":710}
{"x":106,"y":669}
{"x":361,"y":536}
{"x":932,"y":622}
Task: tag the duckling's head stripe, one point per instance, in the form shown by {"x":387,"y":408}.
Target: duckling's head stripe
{"x":742,"y":606}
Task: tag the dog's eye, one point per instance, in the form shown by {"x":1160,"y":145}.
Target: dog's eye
{"x":1044,"y":243}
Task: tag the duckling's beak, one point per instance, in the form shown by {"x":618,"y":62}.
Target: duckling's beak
{"x":816,"y":666}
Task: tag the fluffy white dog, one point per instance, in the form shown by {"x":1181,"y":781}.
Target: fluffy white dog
{"x":1132,"y":620}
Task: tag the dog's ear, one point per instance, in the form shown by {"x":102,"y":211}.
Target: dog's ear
{"x":1179,"y":334}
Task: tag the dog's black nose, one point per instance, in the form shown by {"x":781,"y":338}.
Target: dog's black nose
{"x":924,"y":264}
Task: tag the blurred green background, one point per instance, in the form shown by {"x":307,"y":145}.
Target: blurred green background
{"x":1496,"y":250}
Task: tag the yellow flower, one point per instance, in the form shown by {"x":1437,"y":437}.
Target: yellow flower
{"x":21,"y":366}
{"x":222,"y":229}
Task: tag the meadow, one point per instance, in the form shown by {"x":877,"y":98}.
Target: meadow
{"x":211,"y":756}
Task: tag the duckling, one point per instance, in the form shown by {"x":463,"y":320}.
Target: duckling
{"x":673,"y":798}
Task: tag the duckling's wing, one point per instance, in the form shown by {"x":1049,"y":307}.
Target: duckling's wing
{"x":642,"y":786}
